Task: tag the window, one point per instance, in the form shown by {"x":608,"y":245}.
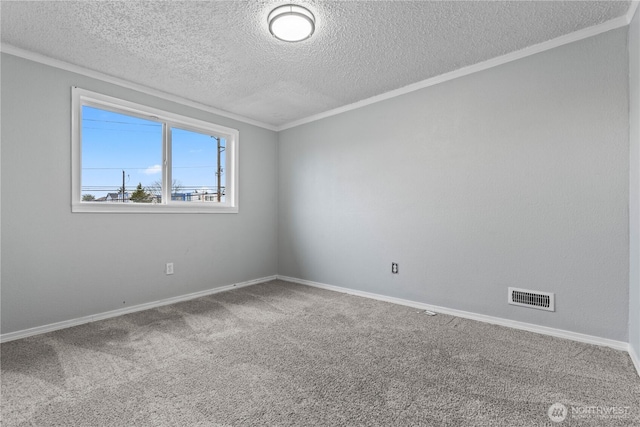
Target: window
{"x":131,"y":158}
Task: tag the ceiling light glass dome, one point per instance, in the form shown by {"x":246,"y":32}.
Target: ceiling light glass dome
{"x":291,"y":23}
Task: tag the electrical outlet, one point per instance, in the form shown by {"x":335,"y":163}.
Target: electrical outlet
{"x":394,"y":267}
{"x":169,"y":269}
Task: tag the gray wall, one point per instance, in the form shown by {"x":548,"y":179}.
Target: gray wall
{"x":634,"y":187}
{"x":58,"y":266}
{"x":514,"y":176}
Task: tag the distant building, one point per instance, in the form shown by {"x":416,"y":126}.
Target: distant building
{"x":116,"y":197}
{"x":195,"y":197}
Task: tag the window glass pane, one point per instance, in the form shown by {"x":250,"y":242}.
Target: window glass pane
{"x":116,"y":145}
{"x":196,"y":174}
{"x":120,"y":162}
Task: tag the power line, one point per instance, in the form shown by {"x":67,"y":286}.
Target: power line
{"x":121,"y":130}
{"x":181,"y":187}
{"x":123,"y":123}
{"x":147,"y":167}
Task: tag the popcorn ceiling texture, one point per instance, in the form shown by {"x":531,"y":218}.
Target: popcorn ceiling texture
{"x":220,"y":53}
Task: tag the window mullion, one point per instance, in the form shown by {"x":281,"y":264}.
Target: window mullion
{"x":166,"y":163}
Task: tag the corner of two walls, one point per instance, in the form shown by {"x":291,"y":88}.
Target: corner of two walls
{"x":513,"y":176}
{"x":634,"y":187}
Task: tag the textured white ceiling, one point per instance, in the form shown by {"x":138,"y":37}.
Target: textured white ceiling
{"x":220,"y":53}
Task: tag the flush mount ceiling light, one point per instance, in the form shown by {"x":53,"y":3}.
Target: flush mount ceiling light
{"x":291,"y":23}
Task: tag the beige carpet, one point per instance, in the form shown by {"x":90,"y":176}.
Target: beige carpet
{"x":285,"y":354}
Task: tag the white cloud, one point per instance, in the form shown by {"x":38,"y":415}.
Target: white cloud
{"x":152,"y":170}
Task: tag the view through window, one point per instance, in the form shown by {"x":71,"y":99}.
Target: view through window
{"x":132,"y":158}
{"x":122,"y":161}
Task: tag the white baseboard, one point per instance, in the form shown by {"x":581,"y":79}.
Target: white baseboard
{"x":119,"y":312}
{"x":574,"y":336}
{"x":634,"y":358}
{"x":589,"y":339}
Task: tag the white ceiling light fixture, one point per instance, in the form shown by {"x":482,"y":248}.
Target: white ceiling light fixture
{"x":291,"y":23}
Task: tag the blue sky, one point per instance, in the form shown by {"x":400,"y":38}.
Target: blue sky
{"x":113,"y":142}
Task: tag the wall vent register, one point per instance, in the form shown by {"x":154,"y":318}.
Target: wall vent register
{"x":532,"y":299}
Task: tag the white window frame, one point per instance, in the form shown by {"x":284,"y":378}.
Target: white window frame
{"x":82,"y":97}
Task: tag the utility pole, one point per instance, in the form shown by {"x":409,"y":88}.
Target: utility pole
{"x":122,"y":186}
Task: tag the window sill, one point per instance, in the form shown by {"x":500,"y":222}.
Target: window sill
{"x":88,"y":207}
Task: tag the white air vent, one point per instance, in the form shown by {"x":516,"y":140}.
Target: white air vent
{"x":532,"y":299}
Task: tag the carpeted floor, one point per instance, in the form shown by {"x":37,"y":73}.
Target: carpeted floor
{"x":285,"y":354}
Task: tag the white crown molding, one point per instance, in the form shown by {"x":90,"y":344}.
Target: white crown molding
{"x":43,"y":59}
{"x":544,"y":330}
{"x":613,"y":24}
{"x":119,"y":312}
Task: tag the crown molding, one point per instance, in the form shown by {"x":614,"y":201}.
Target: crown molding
{"x":585,"y":33}
{"x":56,"y":63}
